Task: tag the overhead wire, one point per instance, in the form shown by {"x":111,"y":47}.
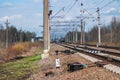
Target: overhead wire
{"x":70,"y":8}
{"x":97,"y":3}
{"x":101,"y":7}
{"x":102,"y":12}
{"x":90,"y":14}
{"x":104,"y":5}
{"x":79,"y":3}
{"x":101,"y":2}
{"x":67,"y":7}
{"x":84,"y":10}
{"x":89,"y":4}
{"x":91,"y":8}
{"x":107,"y":4}
{"x":74,"y":2}
{"x":62,"y":9}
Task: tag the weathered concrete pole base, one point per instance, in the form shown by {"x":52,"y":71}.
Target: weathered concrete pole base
{"x":45,"y":54}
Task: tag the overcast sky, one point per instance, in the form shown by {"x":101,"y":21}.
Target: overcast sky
{"x":28,"y":14}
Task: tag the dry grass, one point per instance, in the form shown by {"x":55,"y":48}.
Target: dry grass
{"x":18,"y":50}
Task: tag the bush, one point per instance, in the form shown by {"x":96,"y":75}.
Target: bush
{"x":15,"y":51}
{"x":18,"y":50}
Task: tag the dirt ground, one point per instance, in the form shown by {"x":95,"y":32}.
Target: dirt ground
{"x":88,"y":73}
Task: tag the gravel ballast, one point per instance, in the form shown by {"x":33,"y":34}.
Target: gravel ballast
{"x":88,"y":73}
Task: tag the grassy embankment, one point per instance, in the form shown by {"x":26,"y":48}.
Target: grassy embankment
{"x":20,"y":69}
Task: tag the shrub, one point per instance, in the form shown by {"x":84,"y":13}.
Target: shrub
{"x":15,"y":51}
{"x":19,"y":50}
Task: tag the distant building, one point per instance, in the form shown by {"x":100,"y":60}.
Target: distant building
{"x":32,"y":40}
{"x":39,"y":39}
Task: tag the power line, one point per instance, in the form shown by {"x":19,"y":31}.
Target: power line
{"x":70,"y":8}
{"x":79,"y":3}
{"x":90,"y":14}
{"x":62,"y":9}
{"x":107,"y":4}
{"x":67,"y":7}
{"x":88,"y":3}
{"x":101,"y":2}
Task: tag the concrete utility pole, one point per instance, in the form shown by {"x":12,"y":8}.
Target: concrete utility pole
{"x":99,"y":32}
{"x":84,"y":33}
{"x":7,"y":23}
{"x":82,"y":12}
{"x":46,"y":27}
{"x":76,"y":35}
{"x":73,"y":35}
{"x":67,"y":38}
{"x":81,"y":31}
{"x":21,"y":35}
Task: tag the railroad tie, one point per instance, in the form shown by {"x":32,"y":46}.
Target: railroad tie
{"x":112,"y":68}
{"x":92,"y":59}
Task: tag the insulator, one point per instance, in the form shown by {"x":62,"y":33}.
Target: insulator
{"x":81,"y":4}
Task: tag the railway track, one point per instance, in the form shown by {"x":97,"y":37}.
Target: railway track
{"x":109,"y":58}
{"x":106,"y":47}
{"x":101,"y":50}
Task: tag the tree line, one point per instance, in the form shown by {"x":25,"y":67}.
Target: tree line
{"x":110,"y":34}
{"x":15,"y":35}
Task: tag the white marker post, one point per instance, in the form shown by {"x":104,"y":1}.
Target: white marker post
{"x":57,"y":63}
